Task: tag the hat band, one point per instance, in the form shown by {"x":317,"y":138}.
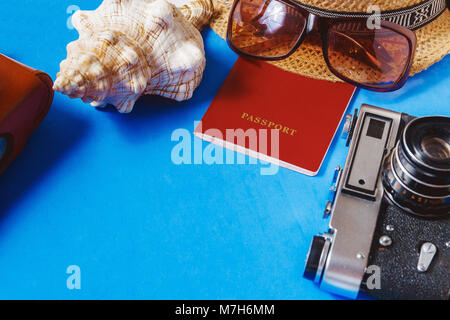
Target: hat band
{"x":412,"y":17}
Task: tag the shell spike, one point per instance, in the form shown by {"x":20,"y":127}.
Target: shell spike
{"x":197,"y":12}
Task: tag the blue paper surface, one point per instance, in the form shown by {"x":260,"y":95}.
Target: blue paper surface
{"x":99,"y":190}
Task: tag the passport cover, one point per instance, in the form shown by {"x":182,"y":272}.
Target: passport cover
{"x":303,"y":114}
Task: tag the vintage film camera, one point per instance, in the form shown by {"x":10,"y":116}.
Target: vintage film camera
{"x":25,"y":98}
{"x":390,"y":208}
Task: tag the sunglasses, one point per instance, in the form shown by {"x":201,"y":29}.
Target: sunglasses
{"x":373,"y":57}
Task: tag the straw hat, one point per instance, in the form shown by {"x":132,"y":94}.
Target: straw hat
{"x":433,"y":39}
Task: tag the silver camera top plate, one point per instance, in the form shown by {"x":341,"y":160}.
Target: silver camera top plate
{"x":358,"y":200}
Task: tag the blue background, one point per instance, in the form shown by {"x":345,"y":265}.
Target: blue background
{"x":98,"y":189}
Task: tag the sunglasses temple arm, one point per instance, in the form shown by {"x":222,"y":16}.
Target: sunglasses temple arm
{"x":373,"y":60}
{"x":260,"y":15}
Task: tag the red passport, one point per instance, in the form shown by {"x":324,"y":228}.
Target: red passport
{"x":275,"y":115}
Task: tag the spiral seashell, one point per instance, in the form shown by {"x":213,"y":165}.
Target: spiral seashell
{"x":128,"y":48}
{"x":197,"y":12}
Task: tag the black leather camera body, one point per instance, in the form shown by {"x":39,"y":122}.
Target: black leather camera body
{"x":389,"y":231}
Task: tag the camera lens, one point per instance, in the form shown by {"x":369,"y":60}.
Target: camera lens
{"x":416,"y":174}
{"x":436,"y":148}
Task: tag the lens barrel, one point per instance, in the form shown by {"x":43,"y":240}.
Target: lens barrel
{"x":416,"y":174}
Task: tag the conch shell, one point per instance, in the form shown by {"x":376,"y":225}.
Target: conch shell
{"x":128,"y":48}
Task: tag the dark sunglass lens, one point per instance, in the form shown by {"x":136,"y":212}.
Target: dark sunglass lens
{"x":265,"y":28}
{"x":374,"y":57}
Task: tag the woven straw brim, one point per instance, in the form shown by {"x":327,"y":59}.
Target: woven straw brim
{"x":433,"y":43}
